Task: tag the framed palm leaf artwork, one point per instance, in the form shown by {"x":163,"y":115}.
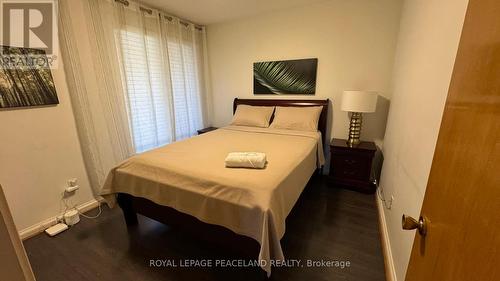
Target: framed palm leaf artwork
{"x":290,"y":77}
{"x":22,"y":82}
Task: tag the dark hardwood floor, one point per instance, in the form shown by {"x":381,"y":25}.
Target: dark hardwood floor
{"x":326,"y":224}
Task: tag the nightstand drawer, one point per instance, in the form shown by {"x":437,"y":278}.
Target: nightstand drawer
{"x":347,"y":166}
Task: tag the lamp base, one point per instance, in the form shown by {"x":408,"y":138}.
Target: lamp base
{"x":355,"y":129}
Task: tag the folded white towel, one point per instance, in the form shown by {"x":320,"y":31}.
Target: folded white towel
{"x":256,"y":160}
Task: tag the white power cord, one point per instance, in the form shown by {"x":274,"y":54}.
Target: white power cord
{"x":93,"y":217}
{"x":381,"y":196}
{"x":65,"y":200}
{"x":66,"y":207}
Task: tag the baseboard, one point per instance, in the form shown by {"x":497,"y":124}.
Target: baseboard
{"x":390,"y":272}
{"x":41,"y":226}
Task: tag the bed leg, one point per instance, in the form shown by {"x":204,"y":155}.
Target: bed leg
{"x":125,"y":203}
{"x":320,"y":171}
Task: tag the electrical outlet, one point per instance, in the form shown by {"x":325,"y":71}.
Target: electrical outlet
{"x":390,"y":202}
{"x":72,"y":185}
{"x":72,"y":182}
{"x":70,"y":189}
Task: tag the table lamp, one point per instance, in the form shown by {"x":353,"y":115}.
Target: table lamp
{"x":357,"y":102}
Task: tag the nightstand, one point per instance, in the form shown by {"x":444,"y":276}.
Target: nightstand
{"x":206,"y":130}
{"x":351,"y":167}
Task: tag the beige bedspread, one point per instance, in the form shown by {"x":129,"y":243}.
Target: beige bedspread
{"x":190,"y":177}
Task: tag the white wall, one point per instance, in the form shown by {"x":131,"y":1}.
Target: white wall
{"x":39,"y":152}
{"x":354,"y":42}
{"x":426,"y":50}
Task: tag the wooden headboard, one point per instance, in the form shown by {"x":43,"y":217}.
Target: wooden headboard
{"x":272,"y":102}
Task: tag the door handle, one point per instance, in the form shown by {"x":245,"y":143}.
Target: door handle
{"x":409,"y":223}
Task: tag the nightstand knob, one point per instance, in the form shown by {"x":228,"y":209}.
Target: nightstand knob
{"x":349,"y":173}
{"x":350,"y":161}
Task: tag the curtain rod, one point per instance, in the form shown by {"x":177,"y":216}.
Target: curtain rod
{"x":124,"y":2}
{"x":149,"y":11}
{"x":170,"y":18}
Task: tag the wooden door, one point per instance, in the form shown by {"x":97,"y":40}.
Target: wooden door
{"x":462,"y":200}
{"x":14,"y":264}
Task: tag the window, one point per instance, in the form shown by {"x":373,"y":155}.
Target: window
{"x":148,"y":105}
{"x":162,"y":87}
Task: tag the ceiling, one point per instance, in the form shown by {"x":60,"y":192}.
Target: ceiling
{"x":207,"y":12}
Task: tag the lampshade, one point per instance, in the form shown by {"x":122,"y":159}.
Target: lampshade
{"x":359,"y":101}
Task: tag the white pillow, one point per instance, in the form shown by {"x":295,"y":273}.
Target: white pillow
{"x":255,"y":116}
{"x":297,"y":118}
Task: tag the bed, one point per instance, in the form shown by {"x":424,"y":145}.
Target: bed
{"x":186,"y":183}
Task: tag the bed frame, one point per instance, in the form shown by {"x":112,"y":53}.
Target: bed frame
{"x":215,"y":235}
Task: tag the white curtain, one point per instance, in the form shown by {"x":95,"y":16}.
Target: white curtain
{"x":161,"y":60}
{"x":144,"y":85}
